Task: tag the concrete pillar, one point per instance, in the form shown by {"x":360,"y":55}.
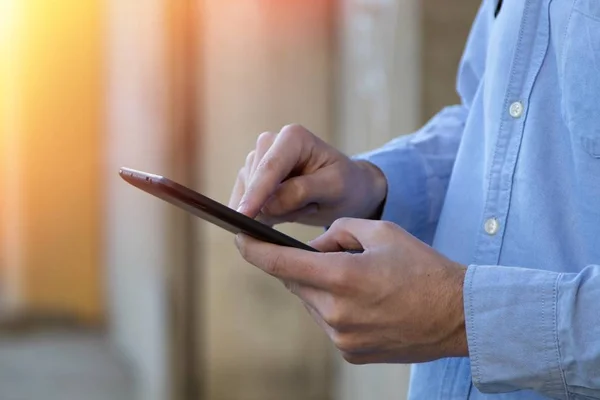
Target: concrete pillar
{"x":399,"y":63}
{"x":10,"y":227}
{"x":267,"y":63}
{"x":51,"y":123}
{"x":444,"y":31}
{"x":137,"y":234}
{"x":380,"y":98}
{"x":379,"y":88}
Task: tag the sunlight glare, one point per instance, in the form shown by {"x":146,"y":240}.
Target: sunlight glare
{"x":8,"y":11}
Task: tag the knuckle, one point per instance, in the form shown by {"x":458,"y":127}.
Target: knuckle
{"x":292,"y":128}
{"x":341,"y":224}
{"x":385,"y":227}
{"x":250,"y":157}
{"x":299,"y":190}
{"x":269,"y":164}
{"x":337,"y":185}
{"x":242,"y":175}
{"x":273,"y":265}
{"x":265,"y":140}
{"x":343,"y":280}
{"x":293,"y":131}
{"x":335,"y":316}
{"x":353,"y":359}
{"x":344,"y":342}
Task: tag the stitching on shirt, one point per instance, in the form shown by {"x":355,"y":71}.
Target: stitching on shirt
{"x":585,"y":14}
{"x":543,"y":53}
{"x":548,"y":381}
{"x":556,"y":338}
{"x":475,"y":357}
{"x":517,"y":58}
{"x":563,"y":62}
{"x":576,"y":396}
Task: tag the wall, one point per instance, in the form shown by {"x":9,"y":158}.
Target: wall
{"x":138,"y":256}
{"x":379,"y":82}
{"x":10,"y":229}
{"x":52,"y":131}
{"x":380,"y":98}
{"x":267,"y":63}
{"x":399,"y":63}
{"x":445,"y":27}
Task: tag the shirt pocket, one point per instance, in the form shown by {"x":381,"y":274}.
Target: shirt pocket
{"x":581,"y":75}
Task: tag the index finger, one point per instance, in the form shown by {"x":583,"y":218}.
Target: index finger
{"x":317,"y":270}
{"x":277,"y":164}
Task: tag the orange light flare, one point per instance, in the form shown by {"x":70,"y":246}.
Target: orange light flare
{"x":283,"y":21}
{"x":296,"y":19}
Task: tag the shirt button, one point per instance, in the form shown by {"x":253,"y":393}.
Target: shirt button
{"x":516,"y":109}
{"x":491,"y":226}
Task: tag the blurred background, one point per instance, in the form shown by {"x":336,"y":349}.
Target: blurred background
{"x":107,"y":293}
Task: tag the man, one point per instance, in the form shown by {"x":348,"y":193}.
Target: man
{"x":505,"y":187}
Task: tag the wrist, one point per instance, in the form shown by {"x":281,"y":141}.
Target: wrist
{"x":376,"y":187}
{"x":456,"y":344}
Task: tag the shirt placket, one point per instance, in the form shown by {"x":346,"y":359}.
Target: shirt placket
{"x":530,"y":50}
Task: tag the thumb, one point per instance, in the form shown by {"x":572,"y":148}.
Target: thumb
{"x":346,"y":234}
{"x":301,"y":191}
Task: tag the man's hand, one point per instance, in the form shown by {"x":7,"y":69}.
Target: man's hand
{"x":295,"y":176}
{"x":397,"y":302}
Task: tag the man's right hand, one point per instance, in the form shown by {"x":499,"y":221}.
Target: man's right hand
{"x":294,"y":176}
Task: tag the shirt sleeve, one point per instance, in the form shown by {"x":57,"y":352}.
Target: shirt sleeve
{"x":533,"y":329}
{"x":417,"y":168}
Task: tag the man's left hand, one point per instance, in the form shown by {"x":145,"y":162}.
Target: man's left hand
{"x":399,"y":301}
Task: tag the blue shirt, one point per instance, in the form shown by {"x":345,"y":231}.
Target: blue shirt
{"x":508,"y":182}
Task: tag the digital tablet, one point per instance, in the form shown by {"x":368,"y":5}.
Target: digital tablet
{"x":207,"y":209}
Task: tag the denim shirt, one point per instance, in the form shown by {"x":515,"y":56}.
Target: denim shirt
{"x":508,"y":183}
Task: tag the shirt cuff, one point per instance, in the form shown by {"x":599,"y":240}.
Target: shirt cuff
{"x":406,"y":202}
{"x":511,"y":322}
